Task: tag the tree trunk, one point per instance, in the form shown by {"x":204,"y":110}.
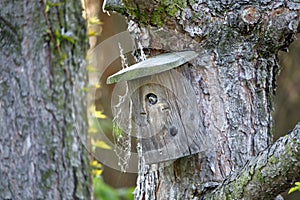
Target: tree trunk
{"x":42,"y":107}
{"x":234,"y":78}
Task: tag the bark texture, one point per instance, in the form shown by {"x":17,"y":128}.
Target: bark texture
{"x":234,"y":78}
{"x":271,"y":172}
{"x":42,"y":106}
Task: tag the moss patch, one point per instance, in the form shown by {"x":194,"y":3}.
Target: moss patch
{"x":157,"y":15}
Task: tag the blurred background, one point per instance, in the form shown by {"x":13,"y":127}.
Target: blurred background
{"x":287,"y":99}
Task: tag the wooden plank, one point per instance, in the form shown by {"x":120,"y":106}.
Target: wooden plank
{"x":153,"y":65}
{"x":169,"y":126}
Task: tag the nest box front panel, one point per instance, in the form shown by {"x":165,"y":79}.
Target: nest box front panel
{"x":167,"y":116}
{"x":164,"y":108}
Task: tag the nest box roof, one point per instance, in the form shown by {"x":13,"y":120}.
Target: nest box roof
{"x":153,"y":65}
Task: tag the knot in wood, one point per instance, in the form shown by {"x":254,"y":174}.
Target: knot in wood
{"x":173,"y":131}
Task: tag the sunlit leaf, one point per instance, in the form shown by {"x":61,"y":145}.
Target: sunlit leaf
{"x":50,"y":4}
{"x":47,"y":8}
{"x":95,"y":163}
{"x":97,"y":85}
{"x":68,"y":38}
{"x":57,"y":33}
{"x":117,"y":131}
{"x":97,"y":172}
{"x":94,"y":20}
{"x":53,"y":4}
{"x":100,"y":144}
{"x":99,"y":114}
{"x":92,"y":130}
{"x":293,"y":189}
{"x":57,"y":41}
{"x":91,"y":69}
{"x":92,"y":33}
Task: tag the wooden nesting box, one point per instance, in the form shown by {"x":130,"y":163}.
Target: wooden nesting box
{"x":164,"y":109}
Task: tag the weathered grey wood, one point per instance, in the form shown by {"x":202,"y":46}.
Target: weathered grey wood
{"x":153,"y":65}
{"x":42,"y":104}
{"x":171,"y":127}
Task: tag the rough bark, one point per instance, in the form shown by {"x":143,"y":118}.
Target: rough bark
{"x":234,"y":78}
{"x":42,"y":106}
{"x":265,"y":176}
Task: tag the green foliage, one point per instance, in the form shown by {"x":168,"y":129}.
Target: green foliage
{"x":49,"y":5}
{"x":117,"y":131}
{"x":171,"y":10}
{"x":164,"y":11}
{"x":296,"y":188}
{"x":156,"y":17}
{"x":103,"y":191}
{"x":171,"y":7}
{"x":60,"y":37}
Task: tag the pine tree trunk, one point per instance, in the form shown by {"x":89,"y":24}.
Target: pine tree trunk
{"x":42,"y":106}
{"x":234,"y":78}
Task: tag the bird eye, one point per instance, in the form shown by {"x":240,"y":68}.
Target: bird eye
{"x":151,"y":98}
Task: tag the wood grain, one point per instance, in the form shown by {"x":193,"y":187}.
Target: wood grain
{"x":172,"y":127}
{"x":153,"y":65}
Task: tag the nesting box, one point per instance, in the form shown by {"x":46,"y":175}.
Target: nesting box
{"x":164,"y":107}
